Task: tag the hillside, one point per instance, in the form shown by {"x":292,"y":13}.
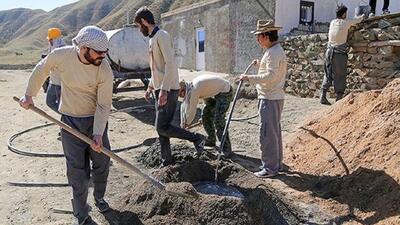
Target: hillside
{"x":24,"y":30}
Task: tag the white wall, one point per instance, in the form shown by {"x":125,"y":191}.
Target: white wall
{"x":394,"y":6}
{"x":287,"y":12}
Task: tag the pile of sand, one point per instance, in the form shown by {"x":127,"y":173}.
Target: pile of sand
{"x":350,"y":152}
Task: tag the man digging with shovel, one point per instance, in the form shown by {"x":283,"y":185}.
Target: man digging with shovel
{"x":270,"y":82}
{"x":86,"y":95}
{"x":217,"y":94}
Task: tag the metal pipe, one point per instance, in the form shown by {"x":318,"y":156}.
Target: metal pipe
{"x":228,"y":121}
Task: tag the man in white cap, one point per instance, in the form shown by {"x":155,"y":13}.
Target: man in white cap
{"x":86,"y":94}
{"x":270,"y":82}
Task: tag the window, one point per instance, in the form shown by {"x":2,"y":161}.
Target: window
{"x":306,"y":13}
{"x":201,"y":38}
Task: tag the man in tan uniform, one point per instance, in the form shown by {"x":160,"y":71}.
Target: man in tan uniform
{"x":270,"y":82}
{"x":86,"y":94}
{"x":217,"y":94}
{"x":165,"y":84}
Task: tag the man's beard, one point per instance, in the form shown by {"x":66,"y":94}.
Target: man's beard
{"x":144,"y":30}
{"x":97,"y":61}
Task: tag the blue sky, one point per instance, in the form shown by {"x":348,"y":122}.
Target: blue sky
{"x":46,"y":5}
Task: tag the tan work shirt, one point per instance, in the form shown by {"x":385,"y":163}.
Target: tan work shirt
{"x":86,"y":90}
{"x":204,"y":86}
{"x":270,"y":81}
{"x":339,"y":29}
{"x":164,"y":71}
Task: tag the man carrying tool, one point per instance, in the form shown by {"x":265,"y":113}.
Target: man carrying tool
{"x":86,"y":94}
{"x":217,"y":94}
{"x":54,"y":88}
{"x":165,"y":84}
{"x":270,"y":82}
{"x":336,"y":55}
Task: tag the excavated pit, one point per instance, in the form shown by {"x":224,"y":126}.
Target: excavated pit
{"x":253,"y":204}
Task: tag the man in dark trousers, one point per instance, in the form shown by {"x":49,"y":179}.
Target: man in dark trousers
{"x":336,"y":55}
{"x":165,"y":84}
{"x":86,"y":95}
{"x":385,"y":8}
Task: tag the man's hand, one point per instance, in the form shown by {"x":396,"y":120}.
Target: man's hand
{"x":162,"y":98}
{"x":147,"y":94}
{"x":242,"y":77}
{"x":256,"y":62}
{"x":26,"y":101}
{"x":98,"y":142}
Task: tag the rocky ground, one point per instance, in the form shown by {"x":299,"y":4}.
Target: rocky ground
{"x":299,"y":195}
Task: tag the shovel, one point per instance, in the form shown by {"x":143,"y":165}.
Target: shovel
{"x":228,"y":121}
{"x":156,"y":183}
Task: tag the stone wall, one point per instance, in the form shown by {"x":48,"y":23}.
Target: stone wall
{"x":374,"y":59}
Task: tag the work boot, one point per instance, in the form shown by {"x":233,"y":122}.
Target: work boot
{"x":339,"y":96}
{"x":323,"y":99}
{"x":102,"y":205}
{"x":228,"y":154}
{"x":210,"y":142}
{"x":84,"y":221}
{"x":166,"y":163}
{"x":227,"y":151}
{"x":199,"y":145}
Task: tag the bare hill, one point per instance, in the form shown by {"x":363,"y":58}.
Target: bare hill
{"x":23,"y":31}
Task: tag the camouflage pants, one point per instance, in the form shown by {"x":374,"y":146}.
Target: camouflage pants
{"x":213,"y":117}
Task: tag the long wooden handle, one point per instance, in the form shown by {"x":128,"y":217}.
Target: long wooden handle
{"x":89,"y":141}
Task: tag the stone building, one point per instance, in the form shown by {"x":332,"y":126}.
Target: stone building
{"x":215,"y":35}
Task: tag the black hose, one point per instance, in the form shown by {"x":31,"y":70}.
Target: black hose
{"x":248,"y":118}
{"x":36,"y":184}
{"x":12,"y":148}
{"x":245,"y":118}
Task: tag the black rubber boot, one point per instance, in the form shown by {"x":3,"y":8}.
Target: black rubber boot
{"x":323,"y":99}
{"x":339,"y":96}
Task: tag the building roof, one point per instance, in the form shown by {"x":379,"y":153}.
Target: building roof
{"x":189,"y":7}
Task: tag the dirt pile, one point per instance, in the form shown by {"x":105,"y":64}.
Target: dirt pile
{"x":350,"y":153}
{"x":181,"y":153}
{"x":259,"y":206}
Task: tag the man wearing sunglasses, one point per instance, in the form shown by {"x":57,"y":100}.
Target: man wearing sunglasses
{"x":86,"y":94}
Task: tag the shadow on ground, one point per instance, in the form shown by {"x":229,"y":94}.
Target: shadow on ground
{"x":115,"y":217}
{"x":364,"y":189}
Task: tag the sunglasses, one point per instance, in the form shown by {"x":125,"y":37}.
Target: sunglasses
{"x":99,"y":52}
